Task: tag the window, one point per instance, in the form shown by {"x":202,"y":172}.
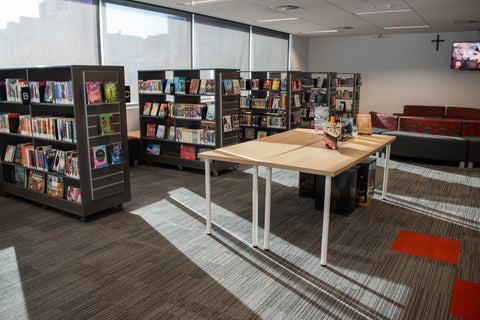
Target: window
{"x":47,"y":32}
{"x":220,"y":44}
{"x":269,"y":50}
{"x":142,"y":37}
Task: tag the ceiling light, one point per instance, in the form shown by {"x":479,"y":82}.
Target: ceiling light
{"x":275,"y":20}
{"x":195,"y":2}
{"x":406,"y":27}
{"x":320,"y":31}
{"x":287,"y":7}
{"x":384,"y":11}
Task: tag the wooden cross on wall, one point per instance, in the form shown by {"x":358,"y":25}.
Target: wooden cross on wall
{"x":438,"y":41}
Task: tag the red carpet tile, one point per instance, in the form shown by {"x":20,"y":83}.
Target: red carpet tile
{"x":465,"y":300}
{"x":427,"y":246}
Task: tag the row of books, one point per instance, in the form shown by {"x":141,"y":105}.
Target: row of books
{"x":186,"y":151}
{"x":315,"y":96}
{"x":231,"y":123}
{"x":100,"y":92}
{"x":43,"y":158}
{"x":105,"y":155}
{"x":272,"y":102}
{"x":52,"y":184}
{"x":51,"y":91}
{"x":177,"y":85}
{"x":202,"y":136}
{"x":48,"y":127}
{"x":346,"y":82}
{"x":264,"y":121}
{"x":11,"y":89}
{"x":276,"y":84}
{"x":345,"y":94}
{"x":197,"y":111}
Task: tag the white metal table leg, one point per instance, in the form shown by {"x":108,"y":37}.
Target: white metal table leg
{"x":326,"y":220}
{"x":385,"y":172}
{"x":268,"y":202}
{"x":208,"y":197}
{"x":255,"y":207}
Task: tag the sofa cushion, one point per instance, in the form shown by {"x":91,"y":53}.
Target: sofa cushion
{"x":424,"y":111}
{"x":470,"y":128}
{"x":463,"y":113}
{"x":440,"y":126}
{"x":383,"y":121}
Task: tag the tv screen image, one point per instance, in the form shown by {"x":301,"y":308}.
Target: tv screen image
{"x":466,"y":56}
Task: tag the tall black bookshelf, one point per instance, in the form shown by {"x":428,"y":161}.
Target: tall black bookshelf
{"x":319,"y":90}
{"x":100,"y":188}
{"x":193,"y":133}
{"x":348,"y":94}
{"x":270,"y":103}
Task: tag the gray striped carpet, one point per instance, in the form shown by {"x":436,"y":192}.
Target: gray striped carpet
{"x":153,"y":260}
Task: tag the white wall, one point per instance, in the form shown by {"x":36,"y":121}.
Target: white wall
{"x":299,"y":53}
{"x":400,"y":69}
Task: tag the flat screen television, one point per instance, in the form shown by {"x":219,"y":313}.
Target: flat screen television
{"x":465,"y":56}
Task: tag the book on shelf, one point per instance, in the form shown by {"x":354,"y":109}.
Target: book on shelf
{"x":116,"y":153}
{"x":364,"y":124}
{"x":210,"y":87}
{"x":154,"y":149}
{"x":94,"y":92}
{"x":146,"y":108}
{"x":74,"y":194}
{"x":296,"y":98}
{"x":37,"y":90}
{"x":210,"y":111}
{"x":235,"y":122}
{"x":203,"y":87}
{"x":110,"y":91}
{"x":267,"y":84}
{"x":10,"y":153}
{"x":249,"y":133}
{"x":194,"y":86}
{"x":261,"y":134}
{"x":163,"y":110}
{"x":236,"y":86}
{"x":171,"y":133}
{"x":36,"y":181}
{"x":180,"y":85}
{"x":154,"y":109}
{"x":20,"y":176}
{"x":55,"y":185}
{"x":227,"y":123}
{"x":160,"y":131}
{"x":99,"y":156}
{"x":106,"y":124}
{"x":276,"y":84}
{"x":228,"y":87}
{"x":187,"y":152}
{"x":150,"y":130}
{"x":255,"y":84}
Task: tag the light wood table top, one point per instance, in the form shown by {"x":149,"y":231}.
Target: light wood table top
{"x":301,"y":150}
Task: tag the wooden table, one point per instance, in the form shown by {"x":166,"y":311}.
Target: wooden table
{"x":297,"y":150}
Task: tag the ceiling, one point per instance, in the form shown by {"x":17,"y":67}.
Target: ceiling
{"x":323,"y":18}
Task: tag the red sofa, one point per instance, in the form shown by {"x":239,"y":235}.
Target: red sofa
{"x":433,"y":132}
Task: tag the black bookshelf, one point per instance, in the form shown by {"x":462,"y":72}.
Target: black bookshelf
{"x":348,"y":95}
{"x":225,"y":105}
{"x":100,"y":188}
{"x":260,"y":96}
{"x":319,"y":90}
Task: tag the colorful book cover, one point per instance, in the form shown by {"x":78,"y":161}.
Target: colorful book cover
{"x":99,"y":156}
{"x":156,"y":149}
{"x":347,"y":126}
{"x":187,"y":152}
{"x":55,"y":186}
{"x":74,"y":194}
{"x":36,"y":181}
{"x":160,"y":131}
{"x":146,"y":108}
{"x":150,"y":130}
{"x":154,"y":110}
{"x":20,"y":179}
{"x":106,"y":123}
{"x":10,"y":153}
{"x":364,"y":124}
{"x":194,"y":85}
{"x":228,"y":87}
{"x":110,"y":91}
{"x":94,"y":93}
{"x":116,"y":153}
